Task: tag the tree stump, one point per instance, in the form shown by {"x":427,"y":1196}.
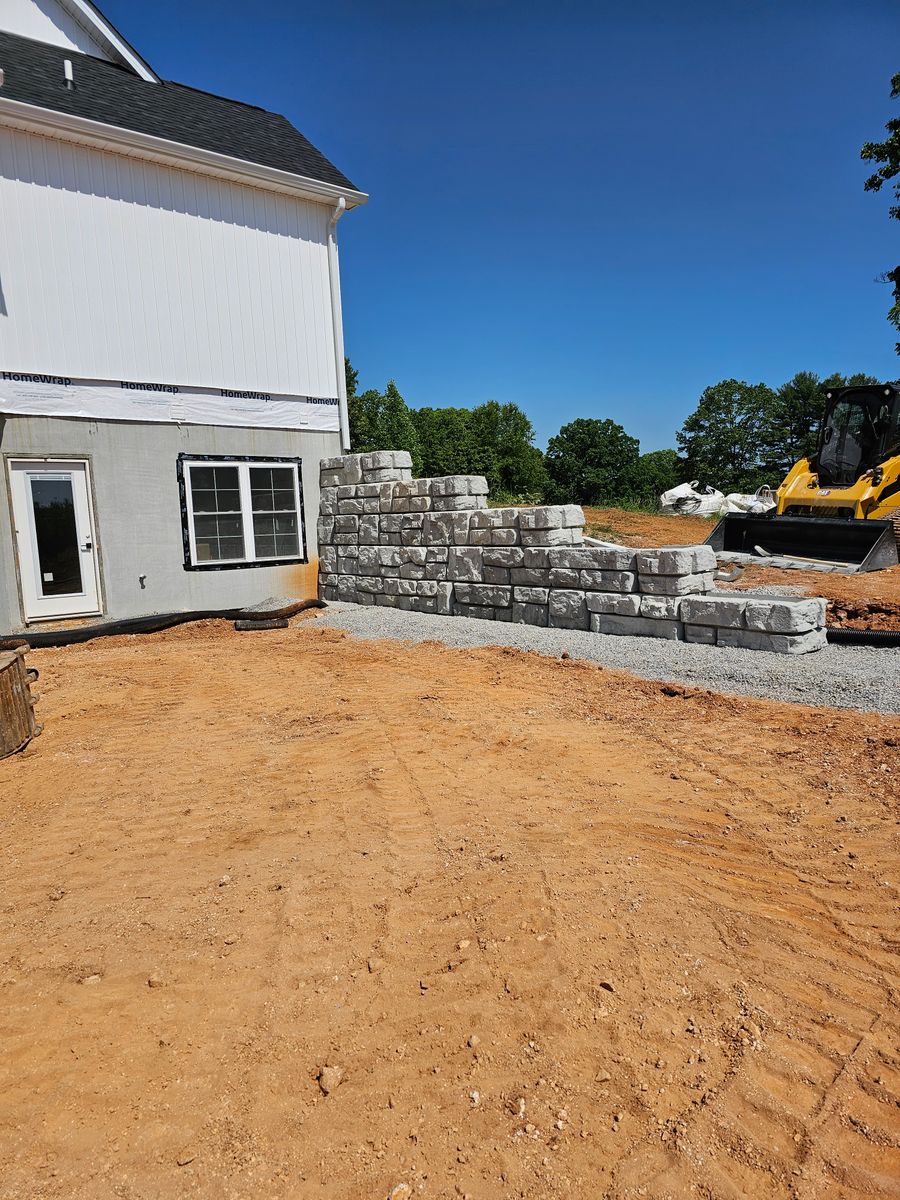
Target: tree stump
{"x":17,"y":724}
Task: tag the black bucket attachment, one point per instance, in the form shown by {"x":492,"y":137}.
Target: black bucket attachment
{"x":859,"y":545}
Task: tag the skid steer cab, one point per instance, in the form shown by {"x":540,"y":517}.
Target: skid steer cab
{"x":841,"y":506}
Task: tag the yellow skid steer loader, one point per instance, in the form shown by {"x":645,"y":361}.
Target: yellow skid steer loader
{"x":840,"y":506}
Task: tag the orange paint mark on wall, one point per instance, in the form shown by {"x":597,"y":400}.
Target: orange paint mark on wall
{"x":301,"y":580}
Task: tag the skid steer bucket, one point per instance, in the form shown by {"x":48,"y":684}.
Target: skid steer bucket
{"x":855,"y":545}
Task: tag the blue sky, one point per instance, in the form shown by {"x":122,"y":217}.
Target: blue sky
{"x":591,"y":209}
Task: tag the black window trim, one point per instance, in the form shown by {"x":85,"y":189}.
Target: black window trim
{"x":185,"y":459}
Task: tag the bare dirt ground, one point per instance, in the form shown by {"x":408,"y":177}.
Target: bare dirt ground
{"x":869,"y":601}
{"x":564,"y":933}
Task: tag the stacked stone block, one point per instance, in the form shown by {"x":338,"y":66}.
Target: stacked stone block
{"x":433,"y":545}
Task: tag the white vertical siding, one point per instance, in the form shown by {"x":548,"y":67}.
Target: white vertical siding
{"x":118,"y":268}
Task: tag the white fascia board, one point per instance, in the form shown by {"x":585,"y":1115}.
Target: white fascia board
{"x":50,"y":123}
{"x":93,"y":22}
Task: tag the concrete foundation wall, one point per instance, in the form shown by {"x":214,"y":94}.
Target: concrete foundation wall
{"x":137,"y":510}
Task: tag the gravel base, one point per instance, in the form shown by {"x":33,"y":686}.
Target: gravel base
{"x":859,"y":677}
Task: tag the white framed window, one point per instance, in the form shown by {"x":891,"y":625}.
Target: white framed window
{"x":240,"y":512}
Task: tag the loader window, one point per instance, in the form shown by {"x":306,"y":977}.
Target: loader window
{"x":852,"y":436}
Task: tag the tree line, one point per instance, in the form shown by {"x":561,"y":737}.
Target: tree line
{"x":739,"y":437}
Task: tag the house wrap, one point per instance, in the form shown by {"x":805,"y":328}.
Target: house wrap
{"x":171,"y":348}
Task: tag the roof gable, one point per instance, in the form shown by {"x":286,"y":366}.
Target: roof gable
{"x":114,"y":96}
{"x":74,"y":25}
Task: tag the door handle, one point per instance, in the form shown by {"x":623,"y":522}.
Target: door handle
{"x":88,"y":546}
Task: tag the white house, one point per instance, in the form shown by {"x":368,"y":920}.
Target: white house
{"x":171,"y":351}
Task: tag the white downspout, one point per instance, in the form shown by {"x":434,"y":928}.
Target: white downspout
{"x":337,"y":321}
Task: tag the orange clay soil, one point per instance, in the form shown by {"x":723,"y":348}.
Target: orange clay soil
{"x":870,"y":601}
{"x":561,"y":932}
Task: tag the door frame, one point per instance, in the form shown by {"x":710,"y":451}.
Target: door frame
{"x":12,"y":460}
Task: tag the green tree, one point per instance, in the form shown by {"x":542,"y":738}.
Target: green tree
{"x":503,"y":450}
{"x":887,"y":154}
{"x":357,"y":415}
{"x":655,"y":472}
{"x":383,"y":422}
{"x":445,"y":439}
{"x":724,"y":441}
{"x":592,"y":462}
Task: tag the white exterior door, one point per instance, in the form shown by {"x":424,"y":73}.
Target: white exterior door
{"x":55,"y":539}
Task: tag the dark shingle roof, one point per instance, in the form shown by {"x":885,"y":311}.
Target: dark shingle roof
{"x":107,"y":92}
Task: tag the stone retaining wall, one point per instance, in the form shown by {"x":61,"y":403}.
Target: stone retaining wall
{"x":433,"y":545}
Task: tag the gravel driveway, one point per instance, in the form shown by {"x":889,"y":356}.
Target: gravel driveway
{"x":840,"y":676}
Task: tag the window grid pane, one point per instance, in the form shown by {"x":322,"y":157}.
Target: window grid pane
{"x":274,"y":509}
{"x":218,"y":518}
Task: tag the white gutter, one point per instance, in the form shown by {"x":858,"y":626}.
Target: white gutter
{"x":66,"y":127}
{"x":337,"y":321}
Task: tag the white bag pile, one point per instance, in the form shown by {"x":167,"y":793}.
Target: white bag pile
{"x":690,"y":498}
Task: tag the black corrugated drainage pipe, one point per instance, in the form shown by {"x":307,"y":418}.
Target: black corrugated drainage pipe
{"x":884,"y":638}
{"x":86,"y":633}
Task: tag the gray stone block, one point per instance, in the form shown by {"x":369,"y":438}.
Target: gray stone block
{"x":676,"y":585}
{"x":368,"y":560}
{"x":460,"y":525}
{"x":436,"y":570}
{"x":504,"y":537}
{"x":559,"y":577}
{"x":552,"y":516}
{"x":624,"y":626}
{"x":413,"y":554}
{"x":412,"y":537}
{"x":455,"y":503}
{"x":346,"y":524}
{"x":328,"y":559}
{"x":529,"y":614}
{"x":349,"y":507}
{"x":480,"y":537}
{"x":368,"y":530}
{"x":613,"y":603}
{"x":437,"y":529}
{"x":496,"y":575}
{"x":329,"y":594}
{"x":567,"y":609}
{"x":388,"y":475}
{"x":370,"y":583}
{"x":529,"y":577}
{"x":720,"y":610}
{"x":345,"y":539}
{"x":347,"y":475}
{"x":390,"y":522}
{"x":465,"y":564}
{"x":778,"y":643}
{"x":484,"y":593}
{"x":328,"y":501}
{"x":436,"y":553}
{"x":503,"y":556}
{"x":594,"y":558}
{"x":607,"y":581}
{"x":785,"y":615}
{"x":347,"y":587}
{"x":324,"y":530}
{"x":537,"y":557}
{"x":661,"y":608}
{"x":700,"y":633}
{"x":386,"y":556}
{"x":531,"y":595}
{"x":412,"y":571}
{"x":551,"y":537}
{"x":444,"y":599}
{"x":676,"y":560}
